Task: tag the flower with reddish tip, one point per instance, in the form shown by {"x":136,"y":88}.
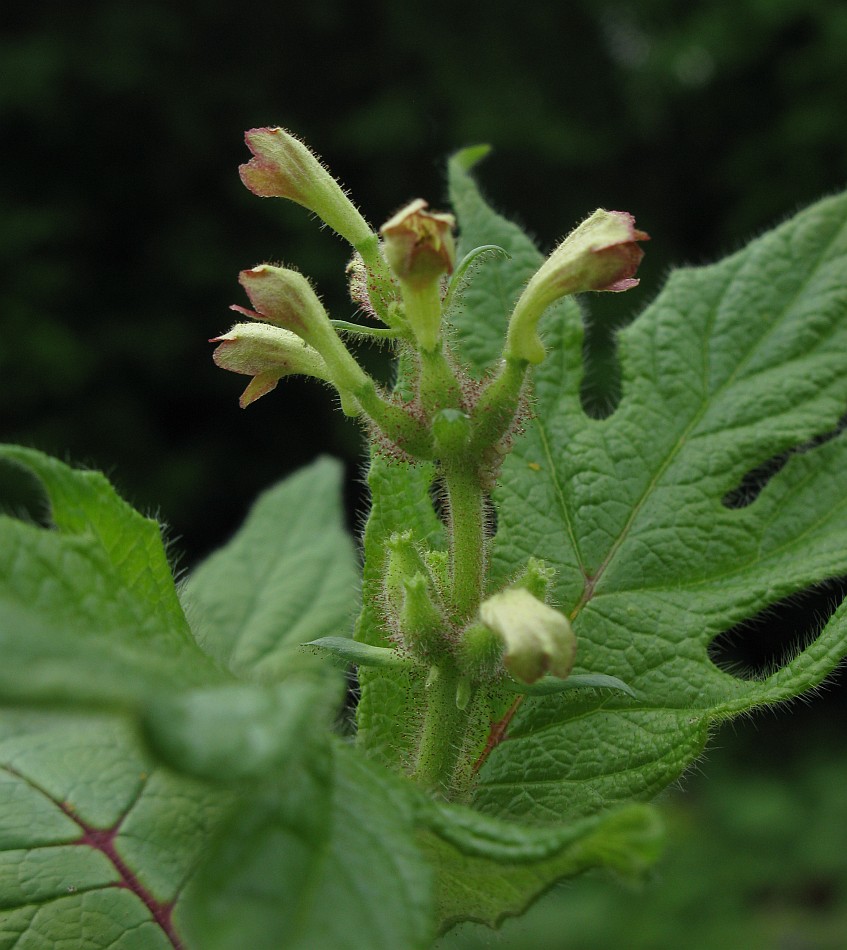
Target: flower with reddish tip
{"x":602,"y":254}
{"x":266,"y":353}
{"x":283,"y":167}
{"x":286,"y":298}
{"x":418,"y":244}
{"x":419,"y":247}
{"x":537,"y":639}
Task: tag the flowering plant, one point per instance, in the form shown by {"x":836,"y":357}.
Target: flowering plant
{"x":532,"y":649}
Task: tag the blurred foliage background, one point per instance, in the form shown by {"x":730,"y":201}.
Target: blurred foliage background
{"x":123,"y":225}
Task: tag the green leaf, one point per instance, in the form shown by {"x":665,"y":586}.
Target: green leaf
{"x":326,"y":859}
{"x":489,"y":870}
{"x":391,"y":699}
{"x":550,"y":684}
{"x":88,"y":609}
{"x":238,"y":731}
{"x":485,"y":303}
{"x":733,"y":364}
{"x":361,"y":654}
{"x":288,"y":576}
{"x":95,"y":843}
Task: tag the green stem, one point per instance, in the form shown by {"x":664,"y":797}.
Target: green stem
{"x":439,"y":388}
{"x":497,"y":406}
{"x":443,"y":732}
{"x":423,"y":313}
{"x":402,"y":429}
{"x":376,"y":333}
{"x":467,"y":535}
{"x":381,"y":289}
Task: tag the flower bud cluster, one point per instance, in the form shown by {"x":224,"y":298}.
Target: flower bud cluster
{"x":514,"y":631}
{"x":434,"y":603}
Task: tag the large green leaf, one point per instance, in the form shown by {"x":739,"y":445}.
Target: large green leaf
{"x":288,"y":576}
{"x":88,"y":608}
{"x":731,"y":365}
{"x":325,"y":858}
{"x":96,"y":843}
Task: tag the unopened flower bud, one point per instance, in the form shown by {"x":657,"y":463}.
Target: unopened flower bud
{"x":422,"y":622}
{"x":283,"y":167}
{"x":403,"y":562}
{"x":451,"y":428}
{"x":480,"y":652}
{"x":266,"y":353}
{"x":537,"y":578}
{"x":286,"y":298}
{"x":419,"y":244}
{"x":537,"y":639}
{"x":419,"y":248}
{"x":601,"y":254}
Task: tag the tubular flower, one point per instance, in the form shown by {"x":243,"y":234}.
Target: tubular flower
{"x":537,"y":639}
{"x":266,"y":353}
{"x":285,"y":297}
{"x":419,"y":244}
{"x":283,"y":167}
{"x":419,"y":247}
{"x":602,"y":254}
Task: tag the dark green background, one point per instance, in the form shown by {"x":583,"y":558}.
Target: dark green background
{"x":123,"y":223}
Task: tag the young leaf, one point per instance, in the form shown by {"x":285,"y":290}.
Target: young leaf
{"x":88,"y":609}
{"x":95,"y":843}
{"x":731,"y":365}
{"x":287,"y":577}
{"x":326,"y":859}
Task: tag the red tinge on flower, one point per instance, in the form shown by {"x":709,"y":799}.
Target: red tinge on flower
{"x":601,"y":254}
{"x":622,"y":255}
{"x":283,"y":167}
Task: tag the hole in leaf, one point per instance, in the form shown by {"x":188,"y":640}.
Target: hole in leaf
{"x":756,"y":648}
{"x":22,"y":495}
{"x":752,"y":484}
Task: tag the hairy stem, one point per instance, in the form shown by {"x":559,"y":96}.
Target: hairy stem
{"x":443,"y":732}
{"x":467,"y":535}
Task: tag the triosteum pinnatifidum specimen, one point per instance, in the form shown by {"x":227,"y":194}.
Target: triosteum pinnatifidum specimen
{"x":532,"y":648}
{"x":464,"y":649}
{"x":561,"y":666}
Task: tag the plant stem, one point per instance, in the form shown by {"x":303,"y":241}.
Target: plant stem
{"x":467,"y":535}
{"x":443,"y":732}
{"x":439,"y":388}
{"x":495,"y":410}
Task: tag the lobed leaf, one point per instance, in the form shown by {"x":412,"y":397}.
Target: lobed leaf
{"x":731,"y":365}
{"x":489,"y":870}
{"x":288,"y":576}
